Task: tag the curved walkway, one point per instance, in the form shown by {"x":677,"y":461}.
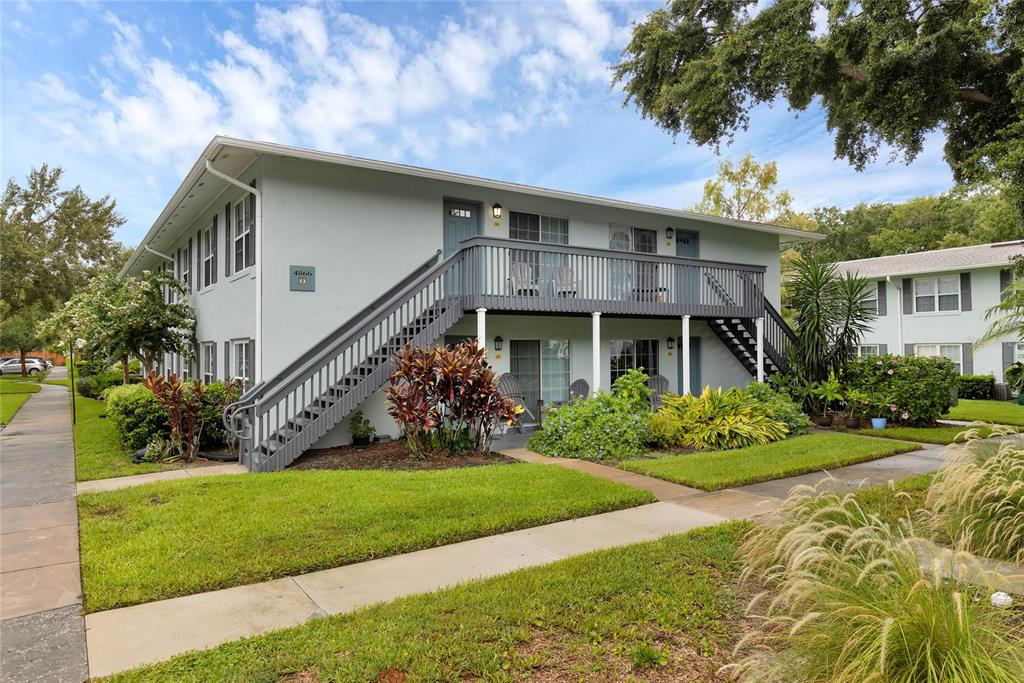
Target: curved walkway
{"x":42,"y":630}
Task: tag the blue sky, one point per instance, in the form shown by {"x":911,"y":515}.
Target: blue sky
{"x":125,"y":95}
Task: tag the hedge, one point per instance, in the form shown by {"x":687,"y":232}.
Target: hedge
{"x":976,"y":386}
{"x":922,"y":387}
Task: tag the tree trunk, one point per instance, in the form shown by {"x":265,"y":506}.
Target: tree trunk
{"x":124,"y":367}
{"x":24,"y":369}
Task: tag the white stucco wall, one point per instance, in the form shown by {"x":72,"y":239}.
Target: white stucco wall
{"x":942,"y":327}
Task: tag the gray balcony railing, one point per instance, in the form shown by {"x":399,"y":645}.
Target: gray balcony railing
{"x":529,"y":276}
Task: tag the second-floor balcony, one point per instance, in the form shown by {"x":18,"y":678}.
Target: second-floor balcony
{"x":509,"y":275}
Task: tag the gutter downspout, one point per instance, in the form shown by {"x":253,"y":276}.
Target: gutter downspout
{"x":899,"y":318}
{"x":258,"y":237}
{"x":162,"y":255}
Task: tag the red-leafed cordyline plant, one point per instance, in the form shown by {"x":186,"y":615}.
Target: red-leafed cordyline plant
{"x":446,"y":398}
{"x":183,"y":404}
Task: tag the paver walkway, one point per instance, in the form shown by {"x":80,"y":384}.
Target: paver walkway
{"x":114,"y":483}
{"x":41,"y":627}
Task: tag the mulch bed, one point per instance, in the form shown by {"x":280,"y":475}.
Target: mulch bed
{"x":391,"y":455}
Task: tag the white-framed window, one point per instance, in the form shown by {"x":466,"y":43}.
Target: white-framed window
{"x":630,"y":354}
{"x":208,"y":358}
{"x":1018,"y":352}
{"x":953,"y":352}
{"x":240,"y":358}
{"x":186,"y":367}
{"x":871,"y":298}
{"x":933,"y":294}
{"x":207,"y":252}
{"x":867,"y":350}
{"x":241,"y":234}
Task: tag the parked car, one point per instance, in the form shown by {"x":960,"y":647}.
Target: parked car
{"x":12,"y":366}
{"x":45,"y":361}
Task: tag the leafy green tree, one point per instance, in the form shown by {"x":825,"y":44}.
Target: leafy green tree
{"x":121,"y":318}
{"x":886,"y":73}
{"x":51,"y":242}
{"x":18,"y":333}
{"x":745,"y":191}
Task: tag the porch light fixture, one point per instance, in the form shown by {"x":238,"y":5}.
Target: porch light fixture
{"x":496,"y":211}
{"x":498,"y":343}
{"x":669,"y":233}
{"x":671,"y":342}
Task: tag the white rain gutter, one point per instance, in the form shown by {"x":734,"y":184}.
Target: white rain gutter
{"x":258,"y":237}
{"x":162,"y":255}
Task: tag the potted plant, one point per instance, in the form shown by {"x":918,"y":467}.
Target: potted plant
{"x":883,"y":407}
{"x":857,"y":403}
{"x":362,"y":431}
{"x":827,"y":392}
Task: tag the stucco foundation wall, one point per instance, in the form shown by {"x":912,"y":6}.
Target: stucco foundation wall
{"x":719,"y":368}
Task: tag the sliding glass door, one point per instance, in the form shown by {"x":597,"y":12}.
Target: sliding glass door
{"x":542,"y":367}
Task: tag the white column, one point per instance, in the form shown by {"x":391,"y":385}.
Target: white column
{"x":596,"y":351}
{"x":684,"y":355}
{"x":481,"y":328}
{"x":759,"y":327}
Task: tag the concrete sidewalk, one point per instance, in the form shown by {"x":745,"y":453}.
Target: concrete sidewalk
{"x":114,"y":483}
{"x":41,"y":625}
{"x":202,"y":621}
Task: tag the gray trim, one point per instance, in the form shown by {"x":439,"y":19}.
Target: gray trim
{"x":1008,"y":354}
{"x":908,"y":349}
{"x":227,"y":360}
{"x":213,"y":361}
{"x":883,"y":349}
{"x":214,"y":243}
{"x":227,"y":240}
{"x":1005,"y":280}
{"x":882,"y":292}
{"x":965,"y":291}
{"x":250,"y":362}
{"x":967,"y":359}
{"x":198,"y":278}
{"x":908,"y":296}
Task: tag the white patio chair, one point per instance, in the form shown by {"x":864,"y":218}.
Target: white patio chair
{"x":522,"y":280}
{"x":563,"y":281}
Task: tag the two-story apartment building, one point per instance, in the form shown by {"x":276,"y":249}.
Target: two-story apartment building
{"x":933,"y":303}
{"x":308,"y":270}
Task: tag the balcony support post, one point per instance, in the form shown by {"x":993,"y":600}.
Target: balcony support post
{"x":596,"y":350}
{"x":684,"y":355}
{"x":481,"y":328}
{"x":759,"y":331}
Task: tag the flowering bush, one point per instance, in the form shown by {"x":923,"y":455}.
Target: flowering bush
{"x":921,"y":389}
{"x":446,"y":398}
{"x":602,"y":427}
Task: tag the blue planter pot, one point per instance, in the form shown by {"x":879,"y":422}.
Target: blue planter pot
{"x":878,"y":422}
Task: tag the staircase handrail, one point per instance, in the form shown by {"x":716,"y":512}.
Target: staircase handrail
{"x":779,"y":320}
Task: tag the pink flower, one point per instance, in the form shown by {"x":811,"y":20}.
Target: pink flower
{"x":892,"y":407}
{"x":878,"y":362}
{"x":889,"y":371}
{"x":893,"y":361}
{"x":904,"y":415}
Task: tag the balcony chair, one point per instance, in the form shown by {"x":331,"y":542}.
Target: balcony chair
{"x":579,"y":389}
{"x":522,"y":280}
{"x":563,"y":281}
{"x":659,"y":386}
{"x":510,"y":388}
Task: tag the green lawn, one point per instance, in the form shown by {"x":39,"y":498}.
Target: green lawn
{"x":189,"y":536}
{"x":802,"y":454}
{"x":998,"y":412}
{"x":905,"y":499}
{"x":664,"y":610}
{"x":13,"y":394}
{"x":98,"y":455}
{"x":942,"y":435}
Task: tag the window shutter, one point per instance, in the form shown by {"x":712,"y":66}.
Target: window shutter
{"x":883,"y":349}
{"x":1007,"y":355}
{"x":227,"y":360}
{"x":213,"y":249}
{"x":967,"y":364}
{"x":965,"y":291}
{"x":1005,"y":279}
{"x":227,"y":239}
{"x":250,"y":362}
{"x":908,"y":296}
{"x":198,"y":277}
{"x":250,"y":219}
{"x":882,"y":307}
{"x":908,"y":349}
{"x":188,"y":259}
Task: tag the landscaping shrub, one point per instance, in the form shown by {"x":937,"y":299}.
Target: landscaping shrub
{"x":715,"y":420}
{"x":89,"y":368}
{"x":977,"y":498}
{"x":781,"y":407}
{"x":920,"y":387}
{"x":215,"y":397}
{"x":976,"y":386}
{"x":136,"y":415}
{"x":183,"y":407}
{"x":446,"y":398}
{"x":601,"y":427}
{"x":86,"y":386}
{"x":846,"y":600}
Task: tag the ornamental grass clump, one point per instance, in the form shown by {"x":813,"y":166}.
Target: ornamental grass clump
{"x":977,"y":499}
{"x":846,"y":600}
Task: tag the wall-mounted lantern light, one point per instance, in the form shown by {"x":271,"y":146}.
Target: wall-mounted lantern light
{"x":671,"y":343}
{"x":669,"y":233}
{"x":498,"y":343}
{"x":496,"y":211}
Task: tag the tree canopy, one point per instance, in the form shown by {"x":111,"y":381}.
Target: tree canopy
{"x":886,"y":74}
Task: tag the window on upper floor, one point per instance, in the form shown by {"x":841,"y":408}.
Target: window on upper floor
{"x":209,"y":254}
{"x":937,"y":294}
{"x":953,"y":352}
{"x":871,"y":298}
{"x":185,"y":271}
{"x":532,"y":227}
{"x":243,"y":218}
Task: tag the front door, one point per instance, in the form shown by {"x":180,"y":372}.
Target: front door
{"x":687,"y":244}
{"x":687,"y":279}
{"x":461,"y":221}
{"x":696,"y":385}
